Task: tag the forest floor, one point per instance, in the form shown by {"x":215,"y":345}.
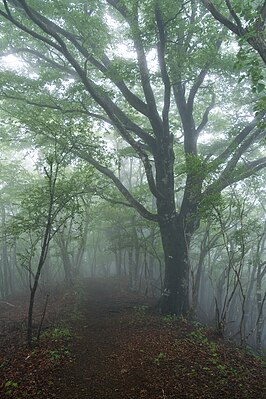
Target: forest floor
{"x":103,"y":342}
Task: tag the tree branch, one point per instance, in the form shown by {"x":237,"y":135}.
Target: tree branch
{"x":132,"y":20}
{"x":256,"y":40}
{"x":39,"y":22}
{"x":163,"y":68}
{"x":132,"y":99}
{"x":238,"y":139}
{"x":234,"y":15}
{"x":57,"y":107}
{"x":205,"y":117}
{"x":221,"y":18}
{"x":200,"y":79}
{"x":250,"y":169}
{"x":238,"y":153}
{"x":196,"y":85}
{"x":119,"y":7}
{"x":22,"y":27}
{"x":123,"y":190}
{"x":187,"y":119}
{"x":263,"y":13}
{"x":40,"y":56}
{"x":115,"y":202}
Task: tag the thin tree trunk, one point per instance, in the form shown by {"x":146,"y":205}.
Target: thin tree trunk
{"x":33,"y":289}
{"x":260,"y":298}
{"x":5,"y":262}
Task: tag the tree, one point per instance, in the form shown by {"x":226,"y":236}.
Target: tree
{"x":47,"y":203}
{"x":229,"y":252}
{"x":72,"y":238}
{"x":149,"y":106}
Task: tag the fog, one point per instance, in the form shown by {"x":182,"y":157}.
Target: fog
{"x":104,"y":240}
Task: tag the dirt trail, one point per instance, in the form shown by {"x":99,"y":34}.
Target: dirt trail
{"x":121,"y":349}
{"x":101,"y":329}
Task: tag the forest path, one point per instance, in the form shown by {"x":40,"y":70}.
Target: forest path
{"x":123,"y":350}
{"x":120,"y":348}
{"x":102,"y":326}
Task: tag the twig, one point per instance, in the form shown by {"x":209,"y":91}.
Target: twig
{"x":7,"y":303}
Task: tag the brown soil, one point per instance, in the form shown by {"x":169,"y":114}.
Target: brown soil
{"x":120,"y":348}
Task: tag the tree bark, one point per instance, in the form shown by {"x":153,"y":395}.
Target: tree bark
{"x":174,"y":233}
{"x":174,"y":298}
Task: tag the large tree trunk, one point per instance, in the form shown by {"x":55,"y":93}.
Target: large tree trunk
{"x":174,"y":236}
{"x":175,"y":297}
{"x":176,"y":229}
